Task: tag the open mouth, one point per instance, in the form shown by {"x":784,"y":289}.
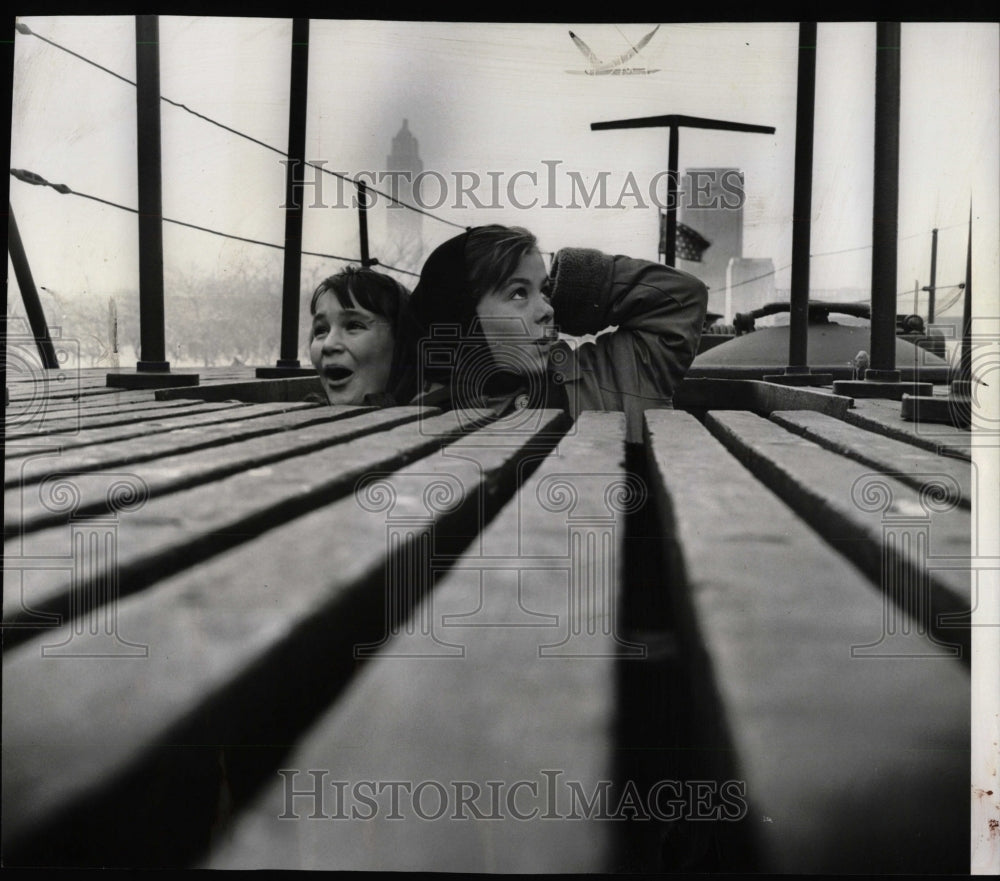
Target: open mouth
{"x":336,"y":375}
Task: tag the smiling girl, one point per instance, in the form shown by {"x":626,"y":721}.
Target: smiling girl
{"x":492,"y":318}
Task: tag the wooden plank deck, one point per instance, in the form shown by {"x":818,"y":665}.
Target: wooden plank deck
{"x":843,"y":734}
{"x":493,"y":645}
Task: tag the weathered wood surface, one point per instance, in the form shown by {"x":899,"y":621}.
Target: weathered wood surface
{"x":67,"y":387}
{"x":911,"y":464}
{"x":853,"y":761}
{"x":885,"y":417}
{"x":66,"y":495}
{"x":72,"y":418}
{"x":521,"y":687}
{"x":201,"y":504}
{"x":257,"y":390}
{"x":701,"y":394}
{"x":886,"y":527}
{"x":278,"y":559}
{"x":86,"y":431}
{"x":244,"y":422}
{"x":239,"y":651}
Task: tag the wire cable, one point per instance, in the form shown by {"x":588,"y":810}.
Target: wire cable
{"x":24,"y":29}
{"x":36,"y":179}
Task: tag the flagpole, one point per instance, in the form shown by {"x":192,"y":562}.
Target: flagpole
{"x":932,"y":287}
{"x":965,"y":364}
{"x":956,"y":408}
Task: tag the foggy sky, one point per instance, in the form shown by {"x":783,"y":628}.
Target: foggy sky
{"x":497,"y":98}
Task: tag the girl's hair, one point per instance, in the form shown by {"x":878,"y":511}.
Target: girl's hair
{"x":382,"y":295}
{"x":453,"y":280}
{"x":492,"y":254}
{"x":374,"y":291}
{"x":463,"y":269}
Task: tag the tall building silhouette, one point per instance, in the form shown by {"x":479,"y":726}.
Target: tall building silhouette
{"x":404,"y":227}
{"x":711,"y":203}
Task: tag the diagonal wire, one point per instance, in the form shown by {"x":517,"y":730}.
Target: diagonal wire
{"x":36,"y":179}
{"x":24,"y":29}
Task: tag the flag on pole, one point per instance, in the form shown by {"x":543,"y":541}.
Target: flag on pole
{"x":690,"y":244}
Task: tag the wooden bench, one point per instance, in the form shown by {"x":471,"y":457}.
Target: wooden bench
{"x":275,"y":634}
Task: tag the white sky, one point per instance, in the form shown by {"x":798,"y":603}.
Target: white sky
{"x":496,"y":97}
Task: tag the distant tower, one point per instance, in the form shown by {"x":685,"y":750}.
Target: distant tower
{"x":404,"y":226}
{"x":711,"y":203}
{"x":749,"y":285}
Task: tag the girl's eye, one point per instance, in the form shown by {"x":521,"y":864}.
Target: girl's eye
{"x":319,"y":330}
{"x":518,"y":294}
{"x":356,"y":326}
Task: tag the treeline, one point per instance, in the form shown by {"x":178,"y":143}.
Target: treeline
{"x":233,"y":317}
{"x":209,"y":321}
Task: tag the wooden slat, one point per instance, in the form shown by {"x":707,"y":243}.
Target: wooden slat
{"x":909,"y":463}
{"x":38,"y":507}
{"x":68,"y":390}
{"x":885,"y":417}
{"x":510,"y":702}
{"x":144,"y":425}
{"x":241,"y":650}
{"x":271,"y":482}
{"x":700,"y":394}
{"x":256,"y":390}
{"x":854,"y":506}
{"x":851,"y":764}
{"x":57,"y":378}
{"x":71,"y":419}
{"x":59,"y":431}
{"x":67,"y":383}
{"x":251,"y":420}
{"x":116,"y":400}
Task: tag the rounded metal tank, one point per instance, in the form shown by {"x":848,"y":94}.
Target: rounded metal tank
{"x":832,"y":347}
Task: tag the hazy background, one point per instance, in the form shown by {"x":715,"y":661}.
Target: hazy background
{"x":478,"y":97}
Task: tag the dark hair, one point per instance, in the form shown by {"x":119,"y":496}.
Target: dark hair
{"x":463,"y":269}
{"x":456,"y":276}
{"x":382,"y":295}
{"x":492,"y":254}
{"x":371,"y":290}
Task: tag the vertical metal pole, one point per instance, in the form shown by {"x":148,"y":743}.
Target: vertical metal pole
{"x":933,"y":285}
{"x":6,"y":100}
{"x":363,"y":223}
{"x":294,"y":174}
{"x":885,"y":218}
{"x":966,"y":362}
{"x":147,"y":80}
{"x":670,"y":254}
{"x":32,"y":303}
{"x":798,"y":340}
